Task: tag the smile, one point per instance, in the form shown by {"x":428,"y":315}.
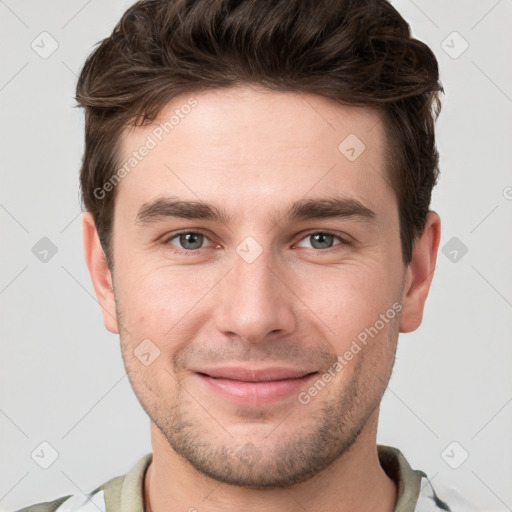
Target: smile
{"x":255,"y":387}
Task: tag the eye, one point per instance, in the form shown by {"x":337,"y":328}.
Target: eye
{"x":190,"y":242}
{"x":187,"y":241}
{"x":322,"y":240}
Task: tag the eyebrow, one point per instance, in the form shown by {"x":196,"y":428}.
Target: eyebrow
{"x":304,"y":209}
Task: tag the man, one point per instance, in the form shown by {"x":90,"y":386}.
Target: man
{"x":257,"y":179}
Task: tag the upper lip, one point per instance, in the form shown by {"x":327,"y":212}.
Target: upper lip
{"x":256,"y":374}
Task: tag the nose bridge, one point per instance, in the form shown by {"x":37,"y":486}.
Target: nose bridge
{"x":255,"y":302}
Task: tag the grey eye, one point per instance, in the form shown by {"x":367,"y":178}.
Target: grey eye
{"x":321,"y":240}
{"x":191,"y":240}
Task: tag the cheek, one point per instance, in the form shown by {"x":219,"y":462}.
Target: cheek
{"x":349,"y":298}
{"x":160,"y":302}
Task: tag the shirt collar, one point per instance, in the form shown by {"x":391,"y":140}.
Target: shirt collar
{"x":126,"y":492}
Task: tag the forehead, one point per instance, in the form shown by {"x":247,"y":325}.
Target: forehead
{"x":247,"y":147}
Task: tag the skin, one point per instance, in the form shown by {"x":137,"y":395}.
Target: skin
{"x":299,"y":304}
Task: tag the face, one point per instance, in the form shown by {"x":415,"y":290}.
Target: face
{"x":258,"y":280}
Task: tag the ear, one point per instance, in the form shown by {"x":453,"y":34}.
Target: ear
{"x":419,"y":274}
{"x":100,"y":273}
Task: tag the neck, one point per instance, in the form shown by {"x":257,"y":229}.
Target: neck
{"x":354,"y":482}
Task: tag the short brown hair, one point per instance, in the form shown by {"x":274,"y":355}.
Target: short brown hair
{"x":358,"y":52}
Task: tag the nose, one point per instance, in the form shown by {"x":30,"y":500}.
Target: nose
{"x":255,"y":300}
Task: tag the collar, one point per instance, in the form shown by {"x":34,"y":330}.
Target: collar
{"x":125,"y":492}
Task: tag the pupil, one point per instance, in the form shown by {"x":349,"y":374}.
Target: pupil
{"x":191,"y":238}
{"x":321,"y":237}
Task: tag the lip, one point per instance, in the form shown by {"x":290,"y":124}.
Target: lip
{"x":256,"y":374}
{"x":261,"y":386}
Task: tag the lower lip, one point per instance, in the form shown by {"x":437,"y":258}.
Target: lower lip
{"x":255,"y":393}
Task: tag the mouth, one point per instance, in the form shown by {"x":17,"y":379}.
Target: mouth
{"x":255,"y":386}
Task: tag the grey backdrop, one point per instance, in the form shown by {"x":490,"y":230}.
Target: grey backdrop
{"x":448,"y":407}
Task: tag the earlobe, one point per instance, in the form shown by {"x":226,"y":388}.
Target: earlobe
{"x":420,"y":273}
{"x":99,"y":272}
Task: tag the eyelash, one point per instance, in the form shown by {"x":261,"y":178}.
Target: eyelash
{"x":193,"y":252}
